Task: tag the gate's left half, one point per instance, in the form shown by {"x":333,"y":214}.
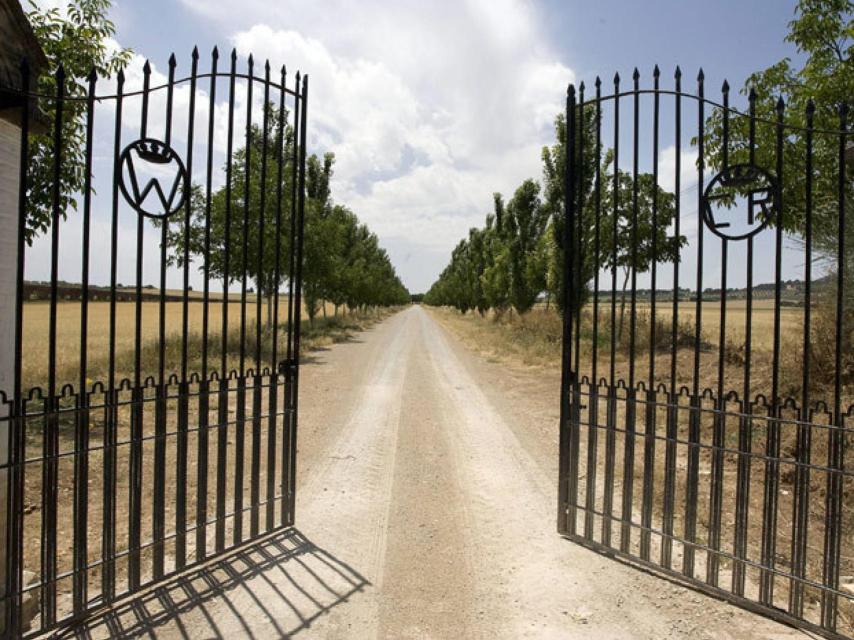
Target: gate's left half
{"x":152,"y":306}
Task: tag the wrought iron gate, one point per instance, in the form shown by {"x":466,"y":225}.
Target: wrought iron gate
{"x":706,"y":404}
{"x":150,"y":426}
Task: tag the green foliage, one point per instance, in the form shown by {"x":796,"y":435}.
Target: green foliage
{"x":823,"y":31}
{"x":519,"y":253}
{"x":342,"y":260}
{"x":248,"y":233}
{"x":77,"y":38}
{"x":525,"y":223}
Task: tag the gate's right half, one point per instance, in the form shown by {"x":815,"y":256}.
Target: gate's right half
{"x":708,"y":352}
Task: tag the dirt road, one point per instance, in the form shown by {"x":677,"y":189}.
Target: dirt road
{"x":426,"y":510}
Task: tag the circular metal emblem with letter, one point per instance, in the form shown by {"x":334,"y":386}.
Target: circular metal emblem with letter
{"x":160,"y":160}
{"x":733,"y":189}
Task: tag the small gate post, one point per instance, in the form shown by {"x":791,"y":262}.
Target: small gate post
{"x":564,"y":508}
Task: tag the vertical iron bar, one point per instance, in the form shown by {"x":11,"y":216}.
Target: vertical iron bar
{"x":81,"y":448}
{"x":673,"y":397}
{"x":222,"y":438}
{"x":108,"y":534}
{"x":258,"y":381}
{"x":652,"y":395}
{"x":578,"y":235}
{"x":135,"y":484}
{"x":610,"y":439}
{"x":772,"y":444}
{"x":566,"y":345}
{"x":745,"y":427}
{"x":50,"y":470}
{"x":298,"y":301}
{"x":287,"y":440}
{"x":696,"y":402}
{"x":184,"y":388}
{"x":800,"y":504}
{"x":593,"y":433}
{"x":204,"y":384}
{"x":159,"y":519}
{"x":239,"y":434}
{"x":836,"y":453}
{"x":575,"y":170}
{"x":631,"y":396}
{"x":718,"y":438}
{"x":275,"y":371}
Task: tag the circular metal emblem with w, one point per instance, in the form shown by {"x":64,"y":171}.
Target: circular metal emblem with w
{"x":160,"y":161}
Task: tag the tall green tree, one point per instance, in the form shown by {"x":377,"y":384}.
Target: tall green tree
{"x":75,"y":37}
{"x":496,"y":273}
{"x":641,"y":226}
{"x":554,"y":181}
{"x":233,"y":237}
{"x":823,"y":32}
{"x":526,"y":221}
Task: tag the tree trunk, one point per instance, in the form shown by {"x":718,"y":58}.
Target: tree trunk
{"x":323,"y":305}
{"x":623,"y":306}
{"x":548,"y":299}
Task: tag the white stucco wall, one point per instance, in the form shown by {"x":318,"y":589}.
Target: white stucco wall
{"x":10,"y":150}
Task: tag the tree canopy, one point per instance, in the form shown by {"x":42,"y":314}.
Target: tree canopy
{"x":517,"y":256}
{"x":342,"y":260}
{"x":77,"y":38}
{"x":823,"y":32}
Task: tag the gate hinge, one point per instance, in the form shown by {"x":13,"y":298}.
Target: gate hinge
{"x":288,"y":365}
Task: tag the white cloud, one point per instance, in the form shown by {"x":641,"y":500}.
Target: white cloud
{"x":429,"y":108}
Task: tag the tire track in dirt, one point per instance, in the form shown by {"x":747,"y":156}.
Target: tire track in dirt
{"x":530,"y":582}
{"x":428,"y":579}
{"x":343,"y":503}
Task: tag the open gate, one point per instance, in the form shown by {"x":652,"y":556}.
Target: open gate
{"x":151,"y":425}
{"x":707,"y":353}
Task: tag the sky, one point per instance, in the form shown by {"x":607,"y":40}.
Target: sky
{"x":430,"y":107}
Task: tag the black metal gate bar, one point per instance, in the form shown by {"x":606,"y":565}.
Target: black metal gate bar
{"x":149,"y":414}
{"x":697,"y":483}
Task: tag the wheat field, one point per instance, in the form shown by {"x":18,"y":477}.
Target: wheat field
{"x":36,"y":326}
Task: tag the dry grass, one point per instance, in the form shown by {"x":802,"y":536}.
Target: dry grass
{"x":36,"y":331}
{"x":534,"y":339}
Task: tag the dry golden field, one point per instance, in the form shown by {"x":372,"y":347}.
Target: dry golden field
{"x":36,"y":322}
{"x":534,"y":339}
